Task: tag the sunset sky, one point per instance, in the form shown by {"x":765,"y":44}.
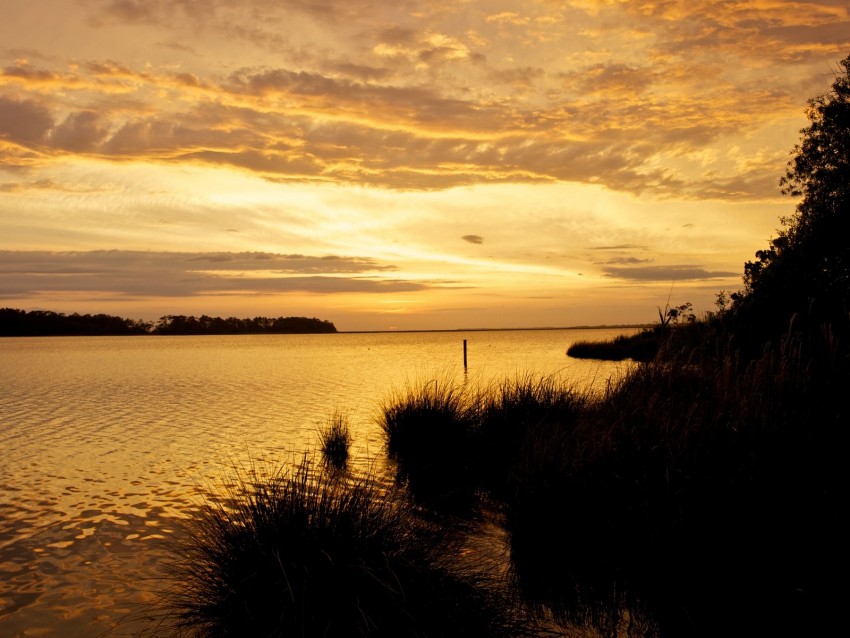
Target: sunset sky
{"x":415,"y":164}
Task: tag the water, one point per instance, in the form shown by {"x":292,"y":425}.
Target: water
{"x":108,"y":442}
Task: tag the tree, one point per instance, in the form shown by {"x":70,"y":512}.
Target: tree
{"x":805,"y":271}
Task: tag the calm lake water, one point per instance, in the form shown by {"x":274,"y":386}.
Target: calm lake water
{"x":108,"y":442}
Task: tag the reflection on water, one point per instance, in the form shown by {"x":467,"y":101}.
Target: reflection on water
{"x":108,"y":442}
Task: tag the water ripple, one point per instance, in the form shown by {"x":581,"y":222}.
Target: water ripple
{"x":109,"y":443}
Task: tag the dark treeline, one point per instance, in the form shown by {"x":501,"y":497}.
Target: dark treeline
{"x":182,"y":325}
{"x":22,"y":323}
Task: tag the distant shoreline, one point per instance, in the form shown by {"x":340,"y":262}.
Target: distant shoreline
{"x":46,"y":323}
{"x":635,"y":326}
{"x":341,"y":332}
{"x":338,"y":332}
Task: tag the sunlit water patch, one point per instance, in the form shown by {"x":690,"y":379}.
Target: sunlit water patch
{"x":109,"y":443}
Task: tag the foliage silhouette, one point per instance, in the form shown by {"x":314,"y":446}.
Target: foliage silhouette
{"x":335,"y":441}
{"x":805,"y":270}
{"x":21,"y":323}
{"x":303,"y":553}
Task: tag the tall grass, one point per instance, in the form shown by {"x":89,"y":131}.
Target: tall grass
{"x":419,"y":421}
{"x":671,"y":498}
{"x":300,"y":554}
{"x":451,"y":442}
{"x":335,"y":441}
{"x":642,"y":346}
{"x":701,"y":492}
{"x":428,"y":429}
{"x":517,"y":413}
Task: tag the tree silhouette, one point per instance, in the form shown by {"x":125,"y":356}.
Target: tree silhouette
{"x":805,"y":271}
{"x":21,"y":323}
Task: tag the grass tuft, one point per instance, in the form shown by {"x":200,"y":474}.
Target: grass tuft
{"x":660,"y":510}
{"x":335,"y":441}
{"x":428,"y":431}
{"x":515,"y":414}
{"x":300,"y":554}
{"x":642,"y":346}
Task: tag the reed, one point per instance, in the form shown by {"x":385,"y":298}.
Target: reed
{"x":645,"y":510}
{"x":428,"y":430}
{"x":659,"y":512}
{"x":426,"y":418}
{"x":651,"y":510}
{"x":300,"y":554}
{"x":517,"y":413}
{"x":642,"y":346}
{"x":335,"y":441}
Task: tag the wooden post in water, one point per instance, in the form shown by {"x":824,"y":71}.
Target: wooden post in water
{"x":464,"y":354}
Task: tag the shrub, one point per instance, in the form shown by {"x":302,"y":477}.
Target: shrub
{"x":335,"y":441}
{"x":298,"y":554}
{"x":642,"y":346}
{"x":428,"y":431}
{"x":662,"y":509}
{"x":517,"y":413}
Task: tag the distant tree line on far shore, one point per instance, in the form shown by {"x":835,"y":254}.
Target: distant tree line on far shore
{"x":22,"y":323}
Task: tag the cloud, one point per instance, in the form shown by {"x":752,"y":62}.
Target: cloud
{"x":621,"y":247}
{"x":473,"y":239}
{"x":48,"y":185}
{"x":291,"y":264}
{"x":80,"y":132}
{"x":361,"y":72}
{"x":353,"y":132}
{"x":172,"y":274}
{"x":508,"y":17}
{"x":23,"y":121}
{"x":521,"y":78}
{"x":665,"y":273}
{"x":21,"y":70}
{"x":131,"y":10}
{"x":408,"y":98}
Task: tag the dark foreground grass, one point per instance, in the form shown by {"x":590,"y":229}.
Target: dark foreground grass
{"x":429,"y":429}
{"x":301,"y":554}
{"x":451,"y":443}
{"x":418,"y":421}
{"x":701,"y":496}
{"x":514,"y":414}
{"x":696,"y":499}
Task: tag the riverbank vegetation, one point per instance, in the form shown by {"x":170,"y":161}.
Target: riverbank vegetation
{"x":695,"y":497}
{"x":45,"y":323}
{"x":309,"y":553}
{"x":642,"y":346}
{"x":703,"y":494}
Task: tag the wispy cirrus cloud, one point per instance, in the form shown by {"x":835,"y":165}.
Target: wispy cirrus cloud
{"x":403,"y":98}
